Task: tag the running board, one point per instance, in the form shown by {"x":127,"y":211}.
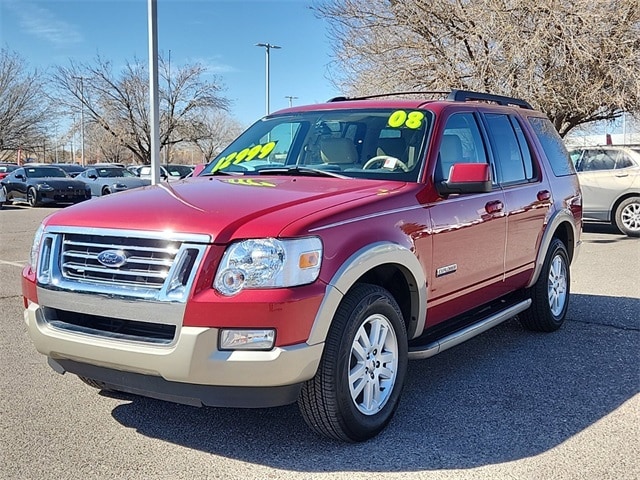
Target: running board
{"x":430,"y":349}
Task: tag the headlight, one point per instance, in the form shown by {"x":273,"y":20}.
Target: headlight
{"x":45,"y":187}
{"x":35,"y":247}
{"x":268,"y":263}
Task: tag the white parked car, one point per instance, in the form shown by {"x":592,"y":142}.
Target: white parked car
{"x":610,"y":182}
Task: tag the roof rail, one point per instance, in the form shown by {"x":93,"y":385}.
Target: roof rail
{"x":464,"y":95}
{"x":381,"y":95}
{"x":453,"y":95}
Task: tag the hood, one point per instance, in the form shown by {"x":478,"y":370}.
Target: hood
{"x":128,"y":181}
{"x":223,"y":207}
{"x":56,"y":182}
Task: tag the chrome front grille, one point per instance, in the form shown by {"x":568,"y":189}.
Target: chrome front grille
{"x":147,"y":260}
{"x":129,"y":263}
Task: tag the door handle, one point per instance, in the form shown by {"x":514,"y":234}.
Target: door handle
{"x":544,"y":195}
{"x":494,"y":206}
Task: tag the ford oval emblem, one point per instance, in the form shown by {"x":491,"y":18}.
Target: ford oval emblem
{"x":112,"y":258}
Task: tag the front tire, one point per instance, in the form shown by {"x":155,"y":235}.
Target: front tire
{"x":105,"y":191}
{"x":550,"y":293}
{"x":357,"y":387}
{"x":32,"y":197}
{"x":628,"y":217}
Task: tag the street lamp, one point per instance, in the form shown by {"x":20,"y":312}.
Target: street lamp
{"x":291,"y":99}
{"x":81,"y":116}
{"x":267,"y":47}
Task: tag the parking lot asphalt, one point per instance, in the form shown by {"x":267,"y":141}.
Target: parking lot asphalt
{"x":508,"y":404}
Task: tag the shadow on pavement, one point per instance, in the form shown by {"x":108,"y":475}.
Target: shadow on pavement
{"x":505,"y":395}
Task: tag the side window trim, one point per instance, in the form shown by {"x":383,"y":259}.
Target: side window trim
{"x":482,"y":137}
{"x":484,"y":131}
{"x":519,"y":138}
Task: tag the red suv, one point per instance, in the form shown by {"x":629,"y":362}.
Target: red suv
{"x":317,"y":254}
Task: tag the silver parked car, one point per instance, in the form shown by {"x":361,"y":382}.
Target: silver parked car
{"x":610,"y":181}
{"x":168,"y":173}
{"x":104,"y":180}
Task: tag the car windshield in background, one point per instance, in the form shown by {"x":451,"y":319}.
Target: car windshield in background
{"x":7,"y":168}
{"x":45,"y":172}
{"x":375,"y":144}
{"x":178,"y":170}
{"x":113,"y":172}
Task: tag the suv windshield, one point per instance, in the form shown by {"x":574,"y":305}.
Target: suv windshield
{"x":376,"y":144}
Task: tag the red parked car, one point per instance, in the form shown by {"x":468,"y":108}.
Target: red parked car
{"x":6,"y":169}
{"x":317,"y":254}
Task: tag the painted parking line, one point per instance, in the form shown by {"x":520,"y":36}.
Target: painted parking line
{"x":15,"y":264}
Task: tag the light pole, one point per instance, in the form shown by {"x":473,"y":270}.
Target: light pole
{"x":267,"y":47}
{"x":291,"y":98}
{"x":154,"y":98}
{"x":167,"y":149}
{"x":81,"y":117}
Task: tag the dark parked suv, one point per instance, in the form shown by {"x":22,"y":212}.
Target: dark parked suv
{"x":317,"y":254}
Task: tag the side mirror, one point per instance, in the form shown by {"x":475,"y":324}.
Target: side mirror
{"x":467,"y":178}
{"x":92,"y":176}
{"x":21,"y":177}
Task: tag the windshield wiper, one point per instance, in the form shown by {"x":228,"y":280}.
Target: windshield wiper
{"x":298,"y":170}
{"x":221,"y":172}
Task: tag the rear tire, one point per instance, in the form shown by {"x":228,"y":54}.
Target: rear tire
{"x":357,"y":387}
{"x":628,"y":217}
{"x":550,"y":293}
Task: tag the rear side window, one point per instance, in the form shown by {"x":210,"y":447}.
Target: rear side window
{"x":603,"y":159}
{"x":552,"y":145}
{"x":623,"y":160}
{"x":594,"y":160}
{"x":513,"y":157}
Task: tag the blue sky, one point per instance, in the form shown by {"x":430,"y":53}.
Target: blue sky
{"x":220,"y":34}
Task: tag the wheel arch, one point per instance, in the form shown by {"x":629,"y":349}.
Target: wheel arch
{"x":616,"y":204}
{"x":563,"y":226}
{"x":385,"y":264}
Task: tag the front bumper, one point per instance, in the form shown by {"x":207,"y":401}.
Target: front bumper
{"x":189,"y":370}
{"x":55,"y":197}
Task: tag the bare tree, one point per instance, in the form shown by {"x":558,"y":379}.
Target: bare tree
{"x":23,"y":106}
{"x":211,"y":133}
{"x":576,"y":60}
{"x":101,"y":146}
{"x":119,"y":104}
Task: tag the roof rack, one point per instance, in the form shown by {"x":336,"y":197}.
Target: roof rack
{"x":381,"y":95}
{"x":453,"y":95}
{"x":465,"y":95}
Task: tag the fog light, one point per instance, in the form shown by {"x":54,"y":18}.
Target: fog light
{"x":246,"y":339}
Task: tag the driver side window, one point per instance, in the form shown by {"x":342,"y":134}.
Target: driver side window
{"x":461,"y":143}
